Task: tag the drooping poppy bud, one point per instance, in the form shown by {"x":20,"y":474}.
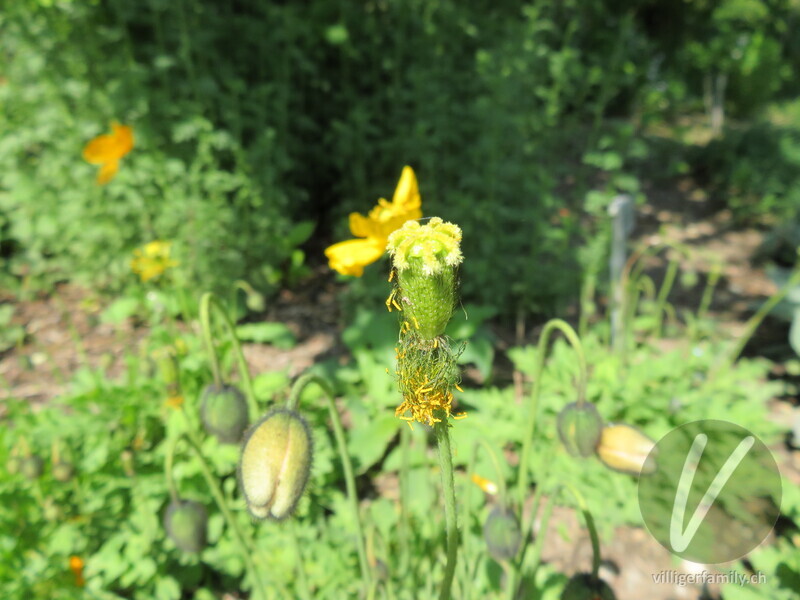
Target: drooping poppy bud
{"x":186,"y":523}
{"x":502,"y":533}
{"x":585,"y":587}
{"x":579,"y":427}
{"x":223,"y":410}
{"x":275,"y":464}
{"x":624,"y":448}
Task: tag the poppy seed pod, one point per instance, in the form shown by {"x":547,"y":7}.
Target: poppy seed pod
{"x":585,"y":587}
{"x":579,"y":427}
{"x":223,"y":410}
{"x":275,"y":464}
{"x":626,"y":449}
{"x":186,"y":522}
{"x":32,"y":467}
{"x":502,"y":533}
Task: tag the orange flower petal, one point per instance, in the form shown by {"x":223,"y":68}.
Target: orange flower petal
{"x":107,"y":172}
{"x":350,"y":257}
{"x":123,"y":139}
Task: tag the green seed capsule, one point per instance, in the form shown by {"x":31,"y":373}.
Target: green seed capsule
{"x":186,"y":522}
{"x":63,"y":471}
{"x":585,"y":587}
{"x":579,"y":427}
{"x":224,"y":412}
{"x":32,"y":467}
{"x":275,"y":464}
{"x":502,"y":533}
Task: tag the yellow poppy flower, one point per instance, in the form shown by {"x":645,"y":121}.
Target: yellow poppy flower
{"x":152,"y":260}
{"x":351,"y":256}
{"x":106,"y":150}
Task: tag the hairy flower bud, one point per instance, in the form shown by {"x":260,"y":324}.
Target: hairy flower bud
{"x":585,"y":587}
{"x":223,"y":410}
{"x":626,"y":449}
{"x":502,"y":533}
{"x":579,"y":427}
{"x":186,"y":523}
{"x":425,"y":258}
{"x":275,"y":464}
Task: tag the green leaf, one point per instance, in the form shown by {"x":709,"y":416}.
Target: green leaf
{"x":119,"y":310}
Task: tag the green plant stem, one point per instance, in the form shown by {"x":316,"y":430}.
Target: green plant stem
{"x":708,"y":291}
{"x":347,"y":466}
{"x":754,"y":321}
{"x":246,"y":545}
{"x":168,"y":463}
{"x":530,"y":428}
{"x":205,"y":328}
{"x":663,"y":293}
{"x":206,"y":302}
{"x":498,"y":472}
{"x":405,"y":451}
{"x":587,"y":517}
{"x":305,"y":591}
{"x":451,"y":523}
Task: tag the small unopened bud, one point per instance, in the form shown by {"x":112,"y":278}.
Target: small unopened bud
{"x":186,"y":522}
{"x":502,"y":533}
{"x":585,"y":587}
{"x":223,"y":410}
{"x":275,"y":464}
{"x":625,"y":448}
{"x":31,"y":467}
{"x":579,"y":427}
{"x":63,"y":471}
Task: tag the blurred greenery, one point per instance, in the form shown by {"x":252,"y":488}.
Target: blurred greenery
{"x":259,"y":124}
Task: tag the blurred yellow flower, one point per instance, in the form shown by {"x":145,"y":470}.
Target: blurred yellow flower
{"x":488,"y":486}
{"x":76,"y":566}
{"x":174,"y":402}
{"x":152,"y":260}
{"x":350,"y":257}
{"x":106,"y":150}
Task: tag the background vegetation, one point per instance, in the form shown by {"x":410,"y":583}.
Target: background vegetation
{"x":258,"y":127}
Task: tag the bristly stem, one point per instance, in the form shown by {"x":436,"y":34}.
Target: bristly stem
{"x":173,"y":489}
{"x":347,"y":466}
{"x":448,"y":486}
{"x":587,"y":517}
{"x":206,"y":303}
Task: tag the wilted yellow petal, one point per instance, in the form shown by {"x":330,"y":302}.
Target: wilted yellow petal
{"x":107,"y":172}
{"x":350,"y":257}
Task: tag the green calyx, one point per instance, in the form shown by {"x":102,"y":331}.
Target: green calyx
{"x":425,"y":258}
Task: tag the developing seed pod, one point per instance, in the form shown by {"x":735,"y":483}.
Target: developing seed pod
{"x":32,"y":467}
{"x":275,"y":464}
{"x":585,"y":587}
{"x":186,"y":522}
{"x":626,"y":449}
{"x":63,"y":471}
{"x":502,"y":533}
{"x":579,"y":427}
{"x":223,"y":410}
